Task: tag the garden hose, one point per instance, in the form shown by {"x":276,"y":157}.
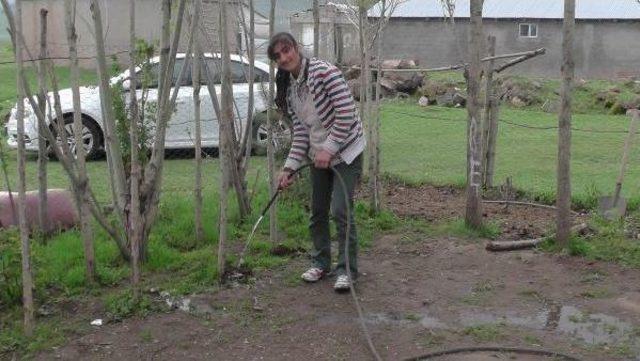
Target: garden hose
{"x":365,"y":330}
{"x":352,"y":290}
{"x":517,"y":350}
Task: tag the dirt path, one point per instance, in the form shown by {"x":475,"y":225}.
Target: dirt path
{"x":420,"y":295}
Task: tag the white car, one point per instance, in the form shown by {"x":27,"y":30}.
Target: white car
{"x":181,"y":127}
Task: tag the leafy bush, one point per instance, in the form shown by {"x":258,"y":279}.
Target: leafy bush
{"x":10,"y":268}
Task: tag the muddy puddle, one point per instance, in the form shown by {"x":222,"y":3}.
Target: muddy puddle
{"x":588,"y":328}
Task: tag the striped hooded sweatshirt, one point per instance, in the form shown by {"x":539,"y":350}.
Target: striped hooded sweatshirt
{"x":324,"y":115}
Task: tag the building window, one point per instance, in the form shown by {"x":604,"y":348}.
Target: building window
{"x":528,"y":30}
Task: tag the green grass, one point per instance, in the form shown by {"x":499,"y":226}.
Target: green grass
{"x":489,"y":332}
{"x":610,"y":244}
{"x":427,"y":145}
{"x":176,"y":263}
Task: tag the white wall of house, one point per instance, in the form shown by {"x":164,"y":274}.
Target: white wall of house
{"x":116,"y":26}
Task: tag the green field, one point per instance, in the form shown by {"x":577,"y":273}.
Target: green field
{"x":427,"y":145}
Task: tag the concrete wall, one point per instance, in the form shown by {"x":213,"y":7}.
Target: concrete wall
{"x":603,"y":49}
{"x":116,"y":24}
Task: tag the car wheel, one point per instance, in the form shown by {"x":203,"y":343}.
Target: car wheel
{"x":91,"y":137}
{"x":282,"y":133}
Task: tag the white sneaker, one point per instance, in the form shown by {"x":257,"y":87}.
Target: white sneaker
{"x":343,"y":283}
{"x":313,"y":275}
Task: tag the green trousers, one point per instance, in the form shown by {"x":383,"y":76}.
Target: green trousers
{"x":328,"y":196}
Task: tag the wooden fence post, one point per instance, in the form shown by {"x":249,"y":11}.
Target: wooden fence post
{"x":473,"y":214}
{"x":490,"y":108}
{"x":563,"y":202}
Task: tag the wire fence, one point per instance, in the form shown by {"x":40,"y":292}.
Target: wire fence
{"x":429,"y":145}
{"x":534,"y":127}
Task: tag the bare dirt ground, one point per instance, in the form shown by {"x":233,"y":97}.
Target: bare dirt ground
{"x":419,"y":295}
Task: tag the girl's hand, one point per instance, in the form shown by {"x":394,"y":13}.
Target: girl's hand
{"x":322,"y":160}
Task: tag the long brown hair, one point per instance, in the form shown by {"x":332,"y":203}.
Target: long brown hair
{"x":282,"y":76}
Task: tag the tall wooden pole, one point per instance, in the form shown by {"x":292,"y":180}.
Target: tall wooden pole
{"x":374,"y":134}
{"x":316,"y":29}
{"x":197,"y":76}
{"x":43,"y":160}
{"x":27,"y":277}
{"x":226,"y":161}
{"x":273,"y":214}
{"x":473,"y":215}
{"x":490,"y":108}
{"x":82,"y":194}
{"x":563,"y":203}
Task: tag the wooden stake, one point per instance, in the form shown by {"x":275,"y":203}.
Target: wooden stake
{"x":316,"y":29}
{"x":196,"y":76}
{"x":81,"y":193}
{"x":43,"y":159}
{"x":473,"y":215}
{"x":273,"y":212}
{"x":27,"y":277}
{"x":488,"y":134}
{"x":563,"y":224}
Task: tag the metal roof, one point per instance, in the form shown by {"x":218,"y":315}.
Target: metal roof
{"x":531,"y":9}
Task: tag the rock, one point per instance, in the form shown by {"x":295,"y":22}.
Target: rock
{"x":551,"y":106}
{"x":45,"y":310}
{"x":445,"y":100}
{"x":423,"y":101}
{"x":401,"y":95}
{"x":459,"y":100}
{"x":399,"y":64}
{"x":518,"y":102}
{"x":96,"y":322}
{"x":410,"y":85}
{"x":351,"y":73}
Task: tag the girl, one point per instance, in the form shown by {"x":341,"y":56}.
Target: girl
{"x":326,"y":130}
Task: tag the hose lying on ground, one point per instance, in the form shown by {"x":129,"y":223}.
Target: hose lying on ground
{"x":518,"y":350}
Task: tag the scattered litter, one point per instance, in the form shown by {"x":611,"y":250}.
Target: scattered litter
{"x":185,"y":305}
{"x":96,"y":322}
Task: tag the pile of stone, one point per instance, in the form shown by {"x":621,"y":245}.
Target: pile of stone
{"x":520,"y":92}
{"x":393,"y":84}
{"x":448,"y":94}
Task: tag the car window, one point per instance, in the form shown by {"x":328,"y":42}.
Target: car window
{"x":154,"y":69}
{"x":213,"y":66}
{"x":261,"y":76}
{"x":239,"y":72}
{"x":148,"y":77}
{"x":186,"y":79}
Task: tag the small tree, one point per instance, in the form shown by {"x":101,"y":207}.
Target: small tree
{"x":82,"y":193}
{"x":27,"y":277}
